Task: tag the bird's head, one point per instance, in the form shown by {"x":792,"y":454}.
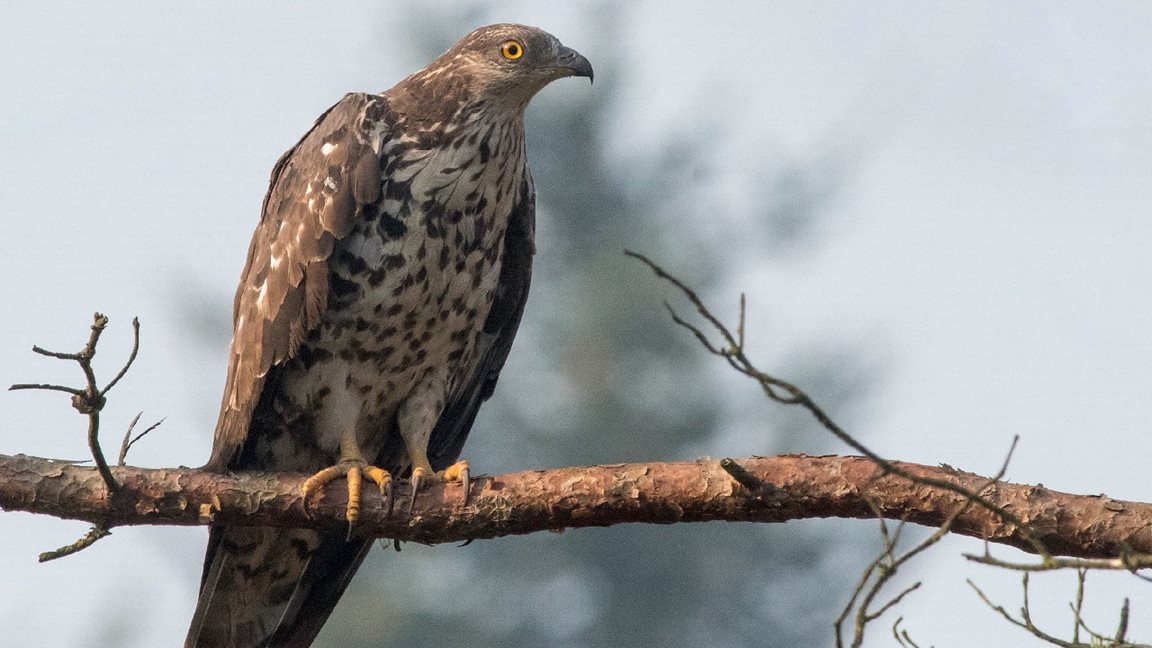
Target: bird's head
{"x":507,"y":63}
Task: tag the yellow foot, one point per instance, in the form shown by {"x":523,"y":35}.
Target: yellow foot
{"x":457,"y":472}
{"x":354,"y":472}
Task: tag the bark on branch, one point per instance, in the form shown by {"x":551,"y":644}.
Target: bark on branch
{"x":794,"y":487}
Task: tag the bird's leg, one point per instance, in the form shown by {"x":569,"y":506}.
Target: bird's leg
{"x":354,"y":467}
{"x":422,"y":472}
{"x":417,"y":418}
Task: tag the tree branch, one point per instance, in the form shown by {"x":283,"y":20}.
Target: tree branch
{"x":798,"y":486}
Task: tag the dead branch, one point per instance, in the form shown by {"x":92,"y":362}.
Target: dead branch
{"x":885,"y":566}
{"x":730,"y":347}
{"x":1097,"y":640}
{"x":799,"y":486}
{"x":90,"y":399}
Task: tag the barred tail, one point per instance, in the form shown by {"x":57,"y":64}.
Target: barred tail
{"x":271,"y":588}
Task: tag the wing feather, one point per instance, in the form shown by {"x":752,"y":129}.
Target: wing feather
{"x":316,"y":190}
{"x":495,"y":341}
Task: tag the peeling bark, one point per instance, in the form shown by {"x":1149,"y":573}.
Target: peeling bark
{"x":796,"y":487}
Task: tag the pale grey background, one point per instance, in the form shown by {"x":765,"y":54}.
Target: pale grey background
{"x":986,"y":249}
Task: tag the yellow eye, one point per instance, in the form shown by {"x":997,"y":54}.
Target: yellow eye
{"x":512,"y":50}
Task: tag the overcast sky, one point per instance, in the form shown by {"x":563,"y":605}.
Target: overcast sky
{"x":989,"y":244}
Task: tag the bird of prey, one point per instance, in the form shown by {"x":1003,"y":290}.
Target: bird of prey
{"x":383,"y":287}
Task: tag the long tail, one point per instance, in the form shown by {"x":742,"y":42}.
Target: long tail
{"x":271,"y":588}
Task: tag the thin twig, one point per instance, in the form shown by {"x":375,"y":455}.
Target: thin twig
{"x":1025,"y":621}
{"x":98,"y":453}
{"x":888,"y":563}
{"x":55,"y":354}
{"x":902,"y":636}
{"x":1078,"y":605}
{"x":785,"y":392}
{"x":1122,"y":628}
{"x":741,"y":320}
{"x":129,"y":441}
{"x":94,"y":534}
{"x":1078,"y":616}
{"x":131,"y":357}
{"x":59,"y":388}
{"x":1128,"y":562}
{"x":731,"y":348}
{"x":90,"y":399}
{"x":886,"y":571}
{"x":890,"y":604}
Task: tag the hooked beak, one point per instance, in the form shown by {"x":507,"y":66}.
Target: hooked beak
{"x":573,"y":63}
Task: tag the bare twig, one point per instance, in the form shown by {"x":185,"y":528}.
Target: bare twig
{"x":1097,"y":640}
{"x":1125,"y":562}
{"x":741,"y":320}
{"x":1118,"y":639}
{"x":887,"y":563}
{"x":1122,"y":626}
{"x":902,"y":636}
{"x":1025,"y":620}
{"x":131,"y":357}
{"x":1078,"y":604}
{"x":785,"y":392}
{"x":129,"y":440}
{"x":730,"y":347}
{"x":95,"y":533}
{"x":44,"y":387}
{"x":90,"y":399}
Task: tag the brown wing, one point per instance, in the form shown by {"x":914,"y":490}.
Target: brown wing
{"x":317,"y":188}
{"x":496,"y":339}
